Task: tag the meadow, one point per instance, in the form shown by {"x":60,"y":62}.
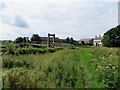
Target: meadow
{"x":78,"y":67}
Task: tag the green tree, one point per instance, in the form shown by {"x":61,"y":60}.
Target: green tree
{"x":71,"y":40}
{"x":67,"y":40}
{"x":19,"y":40}
{"x":82,"y":42}
{"x":112,"y":37}
{"x":76,"y":42}
{"x":35,"y":37}
{"x":24,"y":39}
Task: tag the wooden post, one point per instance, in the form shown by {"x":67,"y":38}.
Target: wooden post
{"x":53,"y":39}
{"x":48,"y":39}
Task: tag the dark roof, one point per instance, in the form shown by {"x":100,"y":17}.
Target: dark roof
{"x":85,"y":39}
{"x":98,"y":38}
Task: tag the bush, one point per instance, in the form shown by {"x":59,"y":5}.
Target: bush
{"x":22,"y":51}
{"x":8,"y":63}
{"x":58,"y":48}
{"x":13,"y":79}
{"x":51,"y":50}
{"x":10,"y":49}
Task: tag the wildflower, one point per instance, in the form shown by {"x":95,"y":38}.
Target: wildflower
{"x":114,"y":72}
{"x":3,"y":74}
{"x":113,"y":67}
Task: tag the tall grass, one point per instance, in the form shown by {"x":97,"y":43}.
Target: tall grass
{"x":101,"y":67}
{"x":68,"y":68}
{"x":59,"y":69}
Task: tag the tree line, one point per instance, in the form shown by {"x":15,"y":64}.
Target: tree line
{"x":36,"y":37}
{"x":112,"y":37}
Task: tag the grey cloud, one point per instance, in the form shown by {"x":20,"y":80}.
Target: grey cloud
{"x":12,"y":19}
{"x":20,"y":22}
{"x":17,"y":21}
{"x":2,"y":5}
{"x":77,"y":19}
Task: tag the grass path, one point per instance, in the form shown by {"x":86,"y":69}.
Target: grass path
{"x":62,"y":69}
{"x":83,"y":55}
{"x":85,"y":82}
{"x":80,"y":57}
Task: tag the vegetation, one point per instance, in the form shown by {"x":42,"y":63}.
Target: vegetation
{"x":16,"y":49}
{"x":35,"y":37}
{"x":79,"y":67}
{"x":71,"y":41}
{"x":112,"y":37}
{"x":19,"y":40}
{"x":35,"y":66}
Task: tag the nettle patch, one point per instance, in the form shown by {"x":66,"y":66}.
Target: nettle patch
{"x":107,"y":75}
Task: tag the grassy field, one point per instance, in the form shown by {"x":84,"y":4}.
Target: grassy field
{"x":82,"y":67}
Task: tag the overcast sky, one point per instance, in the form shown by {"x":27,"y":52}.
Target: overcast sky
{"x":74,"y":18}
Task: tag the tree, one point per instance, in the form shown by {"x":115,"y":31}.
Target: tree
{"x":19,"y":40}
{"x":71,"y":41}
{"x":112,"y":37}
{"x":67,"y":40}
{"x":24,"y":39}
{"x":35,"y":37}
{"x":76,"y":42}
{"x":82,"y":42}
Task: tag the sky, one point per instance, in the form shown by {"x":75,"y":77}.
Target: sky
{"x":66,"y":18}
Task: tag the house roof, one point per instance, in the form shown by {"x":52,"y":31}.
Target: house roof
{"x":85,"y":39}
{"x":98,"y":38}
{"x":88,"y":39}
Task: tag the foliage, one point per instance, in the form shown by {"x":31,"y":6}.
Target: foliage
{"x":106,"y":65}
{"x":10,"y":48}
{"x":71,"y":41}
{"x":82,"y":42}
{"x":67,"y":40}
{"x":19,"y":40}
{"x":26,"y":51}
{"x":16,"y":49}
{"x":9,"y":63}
{"x":112,"y":37}
{"x":47,"y":72}
{"x":68,"y":68}
{"x":35,"y":37}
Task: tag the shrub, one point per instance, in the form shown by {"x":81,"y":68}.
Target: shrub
{"x":10,"y":49}
{"x":21,"y":51}
{"x":8,"y":63}
{"x":51,"y":50}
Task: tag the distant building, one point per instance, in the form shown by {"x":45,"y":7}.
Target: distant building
{"x":97,"y":41}
{"x":86,"y":41}
{"x":43,"y":40}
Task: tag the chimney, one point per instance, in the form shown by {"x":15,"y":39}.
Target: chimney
{"x":99,"y":36}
